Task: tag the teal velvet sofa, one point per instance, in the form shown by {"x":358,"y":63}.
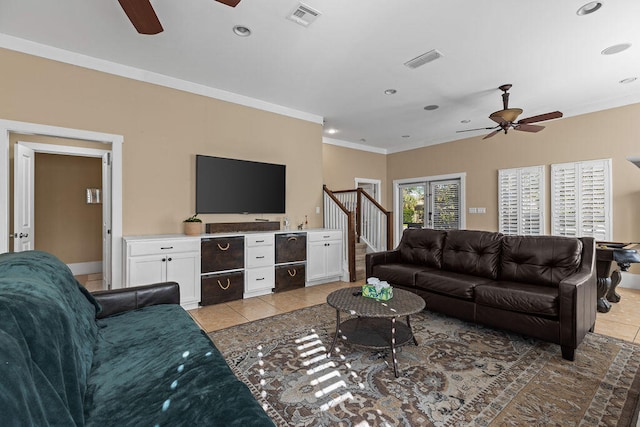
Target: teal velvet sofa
{"x":141,"y":360}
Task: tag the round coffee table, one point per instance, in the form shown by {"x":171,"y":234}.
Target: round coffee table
{"x":375,"y":325}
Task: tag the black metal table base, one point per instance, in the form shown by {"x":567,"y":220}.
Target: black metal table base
{"x":375,"y":333}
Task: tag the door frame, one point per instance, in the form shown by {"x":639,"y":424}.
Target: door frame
{"x":10,"y":126}
{"x":397,"y":235}
{"x":376,"y":183}
{"x":68,"y":150}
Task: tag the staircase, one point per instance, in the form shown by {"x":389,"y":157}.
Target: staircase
{"x":366,"y":226}
{"x":361,"y":251}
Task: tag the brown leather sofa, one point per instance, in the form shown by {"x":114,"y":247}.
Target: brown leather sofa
{"x":540,"y":286}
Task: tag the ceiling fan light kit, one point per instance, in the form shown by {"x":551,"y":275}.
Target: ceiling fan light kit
{"x":506,"y":118}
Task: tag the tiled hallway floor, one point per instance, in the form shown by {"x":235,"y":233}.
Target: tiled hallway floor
{"x":623,"y":321}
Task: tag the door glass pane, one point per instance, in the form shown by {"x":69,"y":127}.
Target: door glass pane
{"x":413,"y":202}
{"x":445,"y":205}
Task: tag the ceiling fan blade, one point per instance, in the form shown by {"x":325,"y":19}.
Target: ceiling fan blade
{"x":541,"y":117}
{"x":470,"y":130}
{"x":528,"y":128}
{"x":232,"y":3}
{"x":142,"y":16}
{"x":491,"y":134}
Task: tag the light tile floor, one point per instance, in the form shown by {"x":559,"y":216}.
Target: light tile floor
{"x":623,"y":321}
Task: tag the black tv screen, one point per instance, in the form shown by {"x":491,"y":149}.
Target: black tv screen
{"x":239,"y":186}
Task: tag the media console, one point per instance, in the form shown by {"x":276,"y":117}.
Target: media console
{"x":219,"y":267}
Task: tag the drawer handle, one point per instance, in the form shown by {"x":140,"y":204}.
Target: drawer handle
{"x":224,"y":248}
{"x":224,"y":288}
{"x":292,"y":238}
{"x":260,"y":257}
{"x":326,"y":237}
{"x":259,"y":241}
{"x":292,"y":273}
{"x":167,"y":247}
{"x":259,"y":278}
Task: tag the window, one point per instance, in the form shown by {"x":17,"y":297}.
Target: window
{"x":521,"y":201}
{"x":581,"y":199}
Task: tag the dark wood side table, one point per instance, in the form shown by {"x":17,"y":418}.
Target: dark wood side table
{"x":375,"y":325}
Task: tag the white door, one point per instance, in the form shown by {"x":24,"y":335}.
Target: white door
{"x":23,"y":198}
{"x":106,"y":221}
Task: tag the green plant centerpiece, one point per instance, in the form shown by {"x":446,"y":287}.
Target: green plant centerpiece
{"x":193,"y":226}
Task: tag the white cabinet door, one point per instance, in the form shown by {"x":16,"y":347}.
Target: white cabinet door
{"x":316,"y":261}
{"x":333,"y":252}
{"x":184,"y":269}
{"x":145,"y":270}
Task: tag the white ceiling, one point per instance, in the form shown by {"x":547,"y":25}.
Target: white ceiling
{"x":339,"y":67}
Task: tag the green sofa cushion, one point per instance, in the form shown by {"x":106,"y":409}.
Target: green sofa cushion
{"x":48,"y":331}
{"x":154,"y":366}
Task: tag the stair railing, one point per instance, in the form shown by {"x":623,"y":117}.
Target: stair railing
{"x":337,"y":216}
{"x":368,"y":222}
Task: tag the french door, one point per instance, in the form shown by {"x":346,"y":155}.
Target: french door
{"x":430,"y":203}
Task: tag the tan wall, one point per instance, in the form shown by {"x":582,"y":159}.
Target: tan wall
{"x":342,"y":165}
{"x":65,"y":224}
{"x":611,"y":134}
{"x":163,"y":130}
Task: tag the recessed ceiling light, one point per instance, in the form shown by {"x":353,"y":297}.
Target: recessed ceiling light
{"x":332,"y":131}
{"x":628,"y":80}
{"x":242,"y":31}
{"x":390,"y":91}
{"x":616,"y":48}
{"x":465,"y":121}
{"x":589,"y":8}
{"x":431,"y":107}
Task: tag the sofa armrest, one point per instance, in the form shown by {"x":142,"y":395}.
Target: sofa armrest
{"x":120,"y":300}
{"x":578,"y":298}
{"x":376,"y":258}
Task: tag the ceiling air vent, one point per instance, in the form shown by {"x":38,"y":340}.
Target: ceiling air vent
{"x":419,"y":61}
{"x":303,"y":15}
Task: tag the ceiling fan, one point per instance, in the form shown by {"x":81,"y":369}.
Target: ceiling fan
{"x":144,"y":18}
{"x":506,"y":118}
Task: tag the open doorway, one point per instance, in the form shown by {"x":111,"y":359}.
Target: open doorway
{"x":112,"y":256}
{"x":371,"y":186}
{"x":61,"y":205}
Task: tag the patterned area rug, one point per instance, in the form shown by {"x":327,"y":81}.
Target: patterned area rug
{"x":460,"y":374}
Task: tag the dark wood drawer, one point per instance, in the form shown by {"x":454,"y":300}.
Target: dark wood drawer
{"x":291,"y":247}
{"x":222,"y":253}
{"x":289,"y":277}
{"x":218,"y":288}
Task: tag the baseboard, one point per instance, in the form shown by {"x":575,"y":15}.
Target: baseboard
{"x":630,"y":281}
{"x":85,"y":267}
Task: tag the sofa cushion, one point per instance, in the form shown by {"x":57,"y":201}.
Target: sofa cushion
{"x":544,"y":260}
{"x":45,"y":316}
{"x":397,"y":274}
{"x":472,"y":252}
{"x":520,"y":297}
{"x":449,"y":283}
{"x":422,"y":246}
{"x":154,"y":366}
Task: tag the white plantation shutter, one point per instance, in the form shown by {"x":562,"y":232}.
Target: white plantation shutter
{"x":581,"y":199}
{"x":445,"y":204}
{"x":521,"y":201}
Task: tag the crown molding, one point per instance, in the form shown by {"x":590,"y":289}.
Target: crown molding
{"x":80,"y":60}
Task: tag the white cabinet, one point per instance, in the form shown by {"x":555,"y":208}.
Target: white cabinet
{"x":324,"y":256}
{"x":259,"y":260}
{"x":153,"y":260}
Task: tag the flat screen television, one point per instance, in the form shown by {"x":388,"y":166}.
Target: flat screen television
{"x":239,"y":186}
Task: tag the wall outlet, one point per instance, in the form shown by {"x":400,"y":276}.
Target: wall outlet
{"x":317,"y":209}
